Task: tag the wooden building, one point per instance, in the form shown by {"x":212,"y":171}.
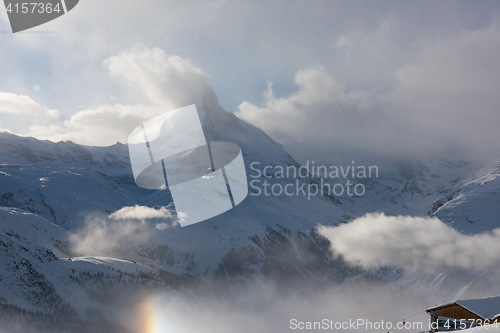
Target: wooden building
{"x":479,"y":310}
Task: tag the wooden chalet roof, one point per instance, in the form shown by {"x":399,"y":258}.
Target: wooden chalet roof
{"x":486,"y":308}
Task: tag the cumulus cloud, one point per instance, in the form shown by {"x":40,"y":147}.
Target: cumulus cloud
{"x":414,"y":243}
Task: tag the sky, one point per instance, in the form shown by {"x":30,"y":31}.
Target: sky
{"x":377,"y":76}
{"x":383,"y":77}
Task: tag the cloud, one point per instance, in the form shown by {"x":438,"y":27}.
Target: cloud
{"x":450,"y":89}
{"x":414,"y":243}
{"x":20,"y":109}
{"x":166,"y":82}
{"x":444,"y":95}
{"x":141,"y":213}
{"x":262,"y":307}
{"x":114,"y":234}
{"x":102,"y":126}
{"x":20,"y":104}
{"x":393,"y":86}
{"x":164,"y":79}
{"x":259,"y":307}
{"x":311,"y":113}
{"x":240,"y":44}
{"x":101,"y":237}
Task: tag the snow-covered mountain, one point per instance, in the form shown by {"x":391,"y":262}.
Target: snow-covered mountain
{"x":56,"y":200}
{"x":459,"y":186}
{"x":57,"y":194}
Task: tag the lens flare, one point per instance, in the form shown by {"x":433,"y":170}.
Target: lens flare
{"x":152,"y":319}
{"x":148,"y":316}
